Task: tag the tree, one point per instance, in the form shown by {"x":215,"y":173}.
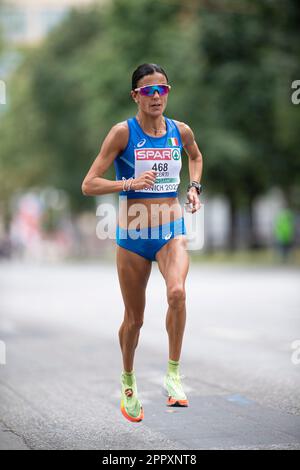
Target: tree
{"x":239,"y":91}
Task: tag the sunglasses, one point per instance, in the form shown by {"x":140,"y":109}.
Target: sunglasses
{"x":149,"y":90}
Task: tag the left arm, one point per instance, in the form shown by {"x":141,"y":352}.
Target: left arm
{"x":195,"y":162}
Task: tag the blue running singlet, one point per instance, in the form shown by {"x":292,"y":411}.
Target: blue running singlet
{"x":144,"y":153}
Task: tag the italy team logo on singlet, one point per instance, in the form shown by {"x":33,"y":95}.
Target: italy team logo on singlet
{"x":173,"y":142}
{"x":166,"y":161}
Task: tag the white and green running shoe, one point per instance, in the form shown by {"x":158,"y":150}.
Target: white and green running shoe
{"x":174,"y":389}
{"x":131,"y":407}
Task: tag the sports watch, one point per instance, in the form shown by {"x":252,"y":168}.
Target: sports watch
{"x":195,"y":184}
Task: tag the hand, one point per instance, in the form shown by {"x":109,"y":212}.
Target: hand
{"x":193,"y":198}
{"x":144,"y":181}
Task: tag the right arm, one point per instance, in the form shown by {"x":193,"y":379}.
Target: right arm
{"x":114,"y":143}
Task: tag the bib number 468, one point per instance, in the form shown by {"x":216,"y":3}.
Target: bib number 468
{"x":160,"y":167}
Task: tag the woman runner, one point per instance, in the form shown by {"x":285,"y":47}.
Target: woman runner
{"x":146,"y":152}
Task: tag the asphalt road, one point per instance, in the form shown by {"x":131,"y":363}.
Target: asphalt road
{"x":59,"y":388}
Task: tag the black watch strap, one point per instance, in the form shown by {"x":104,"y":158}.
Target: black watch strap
{"x":195,"y":184}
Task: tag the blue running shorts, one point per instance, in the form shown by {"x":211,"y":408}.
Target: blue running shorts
{"x":148,"y":241}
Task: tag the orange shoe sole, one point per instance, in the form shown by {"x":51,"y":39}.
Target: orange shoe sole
{"x":174,"y":402}
{"x":131,"y":418}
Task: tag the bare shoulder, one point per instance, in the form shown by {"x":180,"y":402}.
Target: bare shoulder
{"x":120,"y":130}
{"x":119,"y":134}
{"x":186,"y":133}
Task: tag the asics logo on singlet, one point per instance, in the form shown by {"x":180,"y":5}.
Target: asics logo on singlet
{"x":141,"y":143}
{"x":167,"y":237}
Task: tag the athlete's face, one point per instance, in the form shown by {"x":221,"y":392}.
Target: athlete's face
{"x":153,"y":105}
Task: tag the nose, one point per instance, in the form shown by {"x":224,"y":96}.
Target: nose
{"x":156,"y":91}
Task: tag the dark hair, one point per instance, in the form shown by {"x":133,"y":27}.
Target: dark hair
{"x":146,"y":69}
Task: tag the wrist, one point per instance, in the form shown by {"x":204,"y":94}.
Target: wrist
{"x":194,"y":186}
{"x":127,"y":183}
{"x":192,"y":190}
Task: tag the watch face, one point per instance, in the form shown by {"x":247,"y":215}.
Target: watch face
{"x":195,"y":185}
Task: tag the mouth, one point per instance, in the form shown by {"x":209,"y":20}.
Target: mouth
{"x":157,"y":105}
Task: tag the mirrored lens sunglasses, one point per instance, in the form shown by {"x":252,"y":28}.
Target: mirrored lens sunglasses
{"x":149,"y":90}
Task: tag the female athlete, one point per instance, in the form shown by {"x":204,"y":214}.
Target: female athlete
{"x":146,"y":152}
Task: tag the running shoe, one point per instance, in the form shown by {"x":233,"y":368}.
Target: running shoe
{"x":131,"y":407}
{"x":173,"y":387}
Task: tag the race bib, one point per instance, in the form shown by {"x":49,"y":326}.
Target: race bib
{"x":166,"y":161}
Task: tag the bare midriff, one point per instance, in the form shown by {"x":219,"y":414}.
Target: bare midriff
{"x":148,"y":212}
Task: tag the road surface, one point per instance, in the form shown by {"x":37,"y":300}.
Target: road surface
{"x":59,"y":387}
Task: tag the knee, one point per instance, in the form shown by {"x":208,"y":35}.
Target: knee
{"x":176,"y":295}
{"x":137,"y":324}
{"x":133,"y":323}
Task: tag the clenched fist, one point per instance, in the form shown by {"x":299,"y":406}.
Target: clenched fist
{"x":145,"y":181}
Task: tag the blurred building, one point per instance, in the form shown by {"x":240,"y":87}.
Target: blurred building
{"x":29,"y":21}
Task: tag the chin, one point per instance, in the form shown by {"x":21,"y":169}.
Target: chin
{"x":156,"y":112}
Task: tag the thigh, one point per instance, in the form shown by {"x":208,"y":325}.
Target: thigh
{"x":133,"y":273}
{"x":173,"y":261}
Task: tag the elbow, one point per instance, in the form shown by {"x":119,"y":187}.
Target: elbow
{"x":200,"y":159}
{"x":85,"y":188}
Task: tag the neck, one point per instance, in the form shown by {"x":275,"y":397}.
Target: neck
{"x":151,"y":124}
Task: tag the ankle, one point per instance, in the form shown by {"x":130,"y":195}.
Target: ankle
{"x":125,"y":372}
{"x":173,"y":367}
{"x":128,"y":378}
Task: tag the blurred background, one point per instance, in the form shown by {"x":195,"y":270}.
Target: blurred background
{"x":65,"y":79}
{"x":66,"y":67}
